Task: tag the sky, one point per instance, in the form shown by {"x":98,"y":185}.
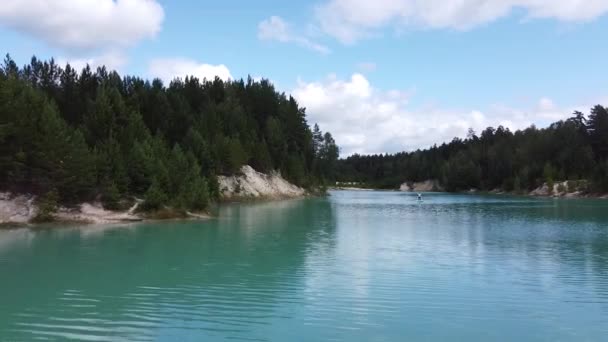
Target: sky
{"x":382,"y":76}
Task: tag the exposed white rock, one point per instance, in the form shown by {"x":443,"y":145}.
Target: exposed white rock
{"x":22,"y":209}
{"x":252,"y":184}
{"x":561,"y":189}
{"x":95,"y":213}
{"x":541,"y":191}
{"x":16,"y":208}
{"x":426,"y":186}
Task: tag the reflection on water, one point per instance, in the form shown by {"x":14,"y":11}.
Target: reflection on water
{"x":367,"y":266}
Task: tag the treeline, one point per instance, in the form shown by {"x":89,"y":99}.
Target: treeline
{"x":76,"y":136}
{"x":574,"y":149}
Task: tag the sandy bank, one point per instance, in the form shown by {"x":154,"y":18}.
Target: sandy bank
{"x":19,"y":209}
{"x":566,"y":189}
{"x":94,"y":213}
{"x":426,"y":186}
{"x":22,"y":209}
{"x":250,"y":184}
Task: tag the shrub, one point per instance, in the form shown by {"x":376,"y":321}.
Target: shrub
{"x":572,"y":186}
{"x":517,"y":184}
{"x":110,"y":198}
{"x":550,"y":184}
{"x":154,"y":198}
{"x":47,"y":207}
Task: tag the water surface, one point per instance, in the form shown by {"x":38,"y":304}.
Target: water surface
{"x":357,"y":266}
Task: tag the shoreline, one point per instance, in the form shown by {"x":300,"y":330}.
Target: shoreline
{"x":67,"y":223}
{"x":248,"y":186}
{"x":21,"y":210}
{"x":565,"y":196}
{"x":93,"y":214}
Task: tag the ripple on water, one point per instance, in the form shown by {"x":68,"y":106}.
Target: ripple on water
{"x":356,"y":267}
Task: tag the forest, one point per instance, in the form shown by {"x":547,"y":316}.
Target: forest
{"x":575,"y":149}
{"x":70,"y":136}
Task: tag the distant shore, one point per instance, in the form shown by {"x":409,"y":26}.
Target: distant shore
{"x":339,"y":188}
{"x":560,"y":190}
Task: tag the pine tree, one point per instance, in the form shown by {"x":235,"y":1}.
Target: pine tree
{"x":598,"y":131}
{"x":155,"y":198}
{"x":91,"y":132}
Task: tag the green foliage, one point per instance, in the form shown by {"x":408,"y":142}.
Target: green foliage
{"x":598,"y":131}
{"x":92,"y":133}
{"x":576,"y":148}
{"x":47,"y":206}
{"x":110,"y":197}
{"x":214,"y":187}
{"x":460,"y":173}
{"x":235,"y":155}
{"x":261,"y":159}
{"x":195,"y":196}
{"x":155,"y":198}
{"x":517,"y":188}
{"x":600,"y":178}
{"x":572,"y":186}
{"x":548,"y":175}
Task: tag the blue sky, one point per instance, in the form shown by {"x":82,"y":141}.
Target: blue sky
{"x":383,"y":76}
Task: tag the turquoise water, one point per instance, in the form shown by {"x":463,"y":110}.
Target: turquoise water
{"x":357,"y":266}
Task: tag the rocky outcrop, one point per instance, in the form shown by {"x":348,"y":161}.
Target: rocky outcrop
{"x":19,"y":209}
{"x":250,"y":184}
{"x":570,"y":189}
{"x":426,"y":186}
{"x":22,"y":209}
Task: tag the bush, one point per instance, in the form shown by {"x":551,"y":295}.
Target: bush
{"x":155,"y":198}
{"x":200,"y":198}
{"x":517,"y":184}
{"x":550,"y":184}
{"x":167,"y":214}
{"x":110,"y":198}
{"x":47,"y":207}
{"x":194,"y":196}
{"x":572,"y":186}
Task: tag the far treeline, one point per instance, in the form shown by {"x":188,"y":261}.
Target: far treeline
{"x":73,"y":136}
{"x":575,"y":149}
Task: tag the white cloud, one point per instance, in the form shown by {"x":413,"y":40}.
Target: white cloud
{"x":78,"y":25}
{"x":111,"y":60}
{"x":168,"y":69}
{"x":351,"y":20}
{"x":277,"y":29}
{"x":368,"y":120}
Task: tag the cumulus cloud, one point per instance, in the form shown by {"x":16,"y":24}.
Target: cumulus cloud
{"x":168,"y":69}
{"x":277,"y":29}
{"x":351,"y":20}
{"x":84,"y":24}
{"x":364,"y":119}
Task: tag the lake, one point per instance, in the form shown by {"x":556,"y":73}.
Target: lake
{"x":356,"y":266}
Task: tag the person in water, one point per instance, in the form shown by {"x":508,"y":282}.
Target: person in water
{"x":420,"y":197}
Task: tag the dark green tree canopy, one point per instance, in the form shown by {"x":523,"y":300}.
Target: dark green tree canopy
{"x":94,"y":134}
{"x":574,"y":149}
